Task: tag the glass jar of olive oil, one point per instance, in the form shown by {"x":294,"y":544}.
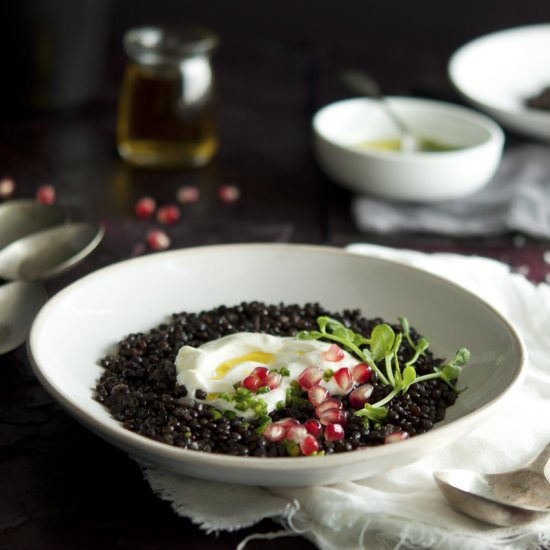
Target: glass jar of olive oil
{"x":166,"y":114}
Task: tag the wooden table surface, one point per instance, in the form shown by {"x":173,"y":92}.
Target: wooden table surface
{"x":61,"y":486}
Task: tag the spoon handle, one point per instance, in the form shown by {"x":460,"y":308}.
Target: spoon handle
{"x":538,"y":464}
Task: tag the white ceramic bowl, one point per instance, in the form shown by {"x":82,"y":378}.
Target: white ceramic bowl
{"x":83,"y":323}
{"x":499,"y":72}
{"x":340,"y":128}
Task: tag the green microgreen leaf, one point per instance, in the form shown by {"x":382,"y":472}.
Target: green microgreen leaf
{"x":327,"y":374}
{"x":382,"y":339}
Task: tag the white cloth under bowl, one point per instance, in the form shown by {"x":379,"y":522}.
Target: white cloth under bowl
{"x":403,"y":508}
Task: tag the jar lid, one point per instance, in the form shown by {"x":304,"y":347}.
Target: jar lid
{"x":161,"y":45}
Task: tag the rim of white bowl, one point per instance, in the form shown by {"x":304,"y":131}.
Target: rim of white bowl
{"x":116,"y":432}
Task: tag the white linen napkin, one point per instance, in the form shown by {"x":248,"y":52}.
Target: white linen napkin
{"x":403,"y":507}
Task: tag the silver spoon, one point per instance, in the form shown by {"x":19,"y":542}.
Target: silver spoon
{"x":364,"y":84}
{"x":21,"y":217}
{"x":506,"y":499}
{"x":19,"y":304}
{"x":47,"y":253}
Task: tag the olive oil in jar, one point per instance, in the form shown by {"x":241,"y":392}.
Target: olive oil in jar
{"x":166,"y":113}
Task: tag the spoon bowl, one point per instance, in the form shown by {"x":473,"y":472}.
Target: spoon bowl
{"x":506,"y":499}
{"x":19,"y":304}
{"x":22,"y":217}
{"x":48,"y":253}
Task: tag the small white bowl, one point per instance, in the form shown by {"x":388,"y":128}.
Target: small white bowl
{"x":340,"y":128}
{"x":498,"y":72}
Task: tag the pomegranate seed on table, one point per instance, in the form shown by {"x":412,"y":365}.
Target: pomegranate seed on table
{"x":309,"y":445}
{"x":273,"y":380}
{"x":252,"y":382}
{"x":145,"y":207}
{"x":228,"y":193}
{"x":296,"y":433}
{"x":361,"y":373}
{"x":188,"y":194}
{"x":45,"y":194}
{"x":317,"y":394}
{"x":360,"y":396}
{"x":313,"y":426}
{"x":168,"y":214}
{"x":310,"y":376}
{"x":158,"y":239}
{"x":261,"y":372}
{"x":334,"y":432}
{"x":7,"y":187}
{"x":343,"y":378}
{"x":330,"y":403}
{"x":395,"y":437}
{"x":274,"y":432}
{"x":333,"y":416}
{"x":334,"y":353}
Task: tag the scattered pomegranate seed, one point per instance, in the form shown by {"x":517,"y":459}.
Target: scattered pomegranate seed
{"x":261,"y":372}
{"x":296,"y":433}
{"x":274,"y":432}
{"x":361,"y":373}
{"x":252,"y":383}
{"x":158,"y":239}
{"x":359,"y":396}
{"x":330,"y":403}
{"x":228,"y":193}
{"x":309,"y":445}
{"x":310,"y":377}
{"x":334,"y":353}
{"x":313,"y":426}
{"x":334,"y":432}
{"x":168,"y":214}
{"x":317,"y":394}
{"x":145,"y":207}
{"x":395,"y":437}
{"x":287,"y":422}
{"x":273,"y":380}
{"x":45,"y":194}
{"x":343,"y":378}
{"x":7,"y":187}
{"x":188,"y":194}
{"x":333,"y":416}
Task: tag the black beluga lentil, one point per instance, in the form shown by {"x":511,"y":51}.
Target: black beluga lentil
{"x":138,"y":385}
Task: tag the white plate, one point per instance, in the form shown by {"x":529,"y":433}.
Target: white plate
{"x":83,"y":323}
{"x":499,"y":71}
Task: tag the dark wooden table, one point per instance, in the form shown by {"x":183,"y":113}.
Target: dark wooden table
{"x":62,"y":487}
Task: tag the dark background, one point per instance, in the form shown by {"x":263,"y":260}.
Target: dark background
{"x":60,"y":486}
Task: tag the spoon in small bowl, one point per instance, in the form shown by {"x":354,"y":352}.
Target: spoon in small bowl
{"x":47,"y":253}
{"x":19,"y":304}
{"x":362,"y":83}
{"x":506,"y":499}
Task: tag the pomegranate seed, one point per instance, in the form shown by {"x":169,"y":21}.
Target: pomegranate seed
{"x":333,"y":416}
{"x":359,"y":396}
{"x":252,"y":383}
{"x":313,"y":426}
{"x":261,"y":372}
{"x":343,"y":378}
{"x":7,"y":187}
{"x":45,"y":194}
{"x":296,"y":433}
{"x":158,"y":240}
{"x":334,"y":432}
{"x":145,"y":207}
{"x":273,"y":380}
{"x":309,"y":445}
{"x":330,"y":403}
{"x":334,"y":353}
{"x":188,"y":194}
{"x":310,"y":377}
{"x":168,"y":214}
{"x":288,"y":422}
{"x":274,"y":432}
{"x":317,"y":394}
{"x":361,"y":373}
{"x":228,"y":193}
{"x":395,"y":437}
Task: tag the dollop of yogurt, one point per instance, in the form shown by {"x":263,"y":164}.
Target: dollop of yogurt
{"x":219,"y":366}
